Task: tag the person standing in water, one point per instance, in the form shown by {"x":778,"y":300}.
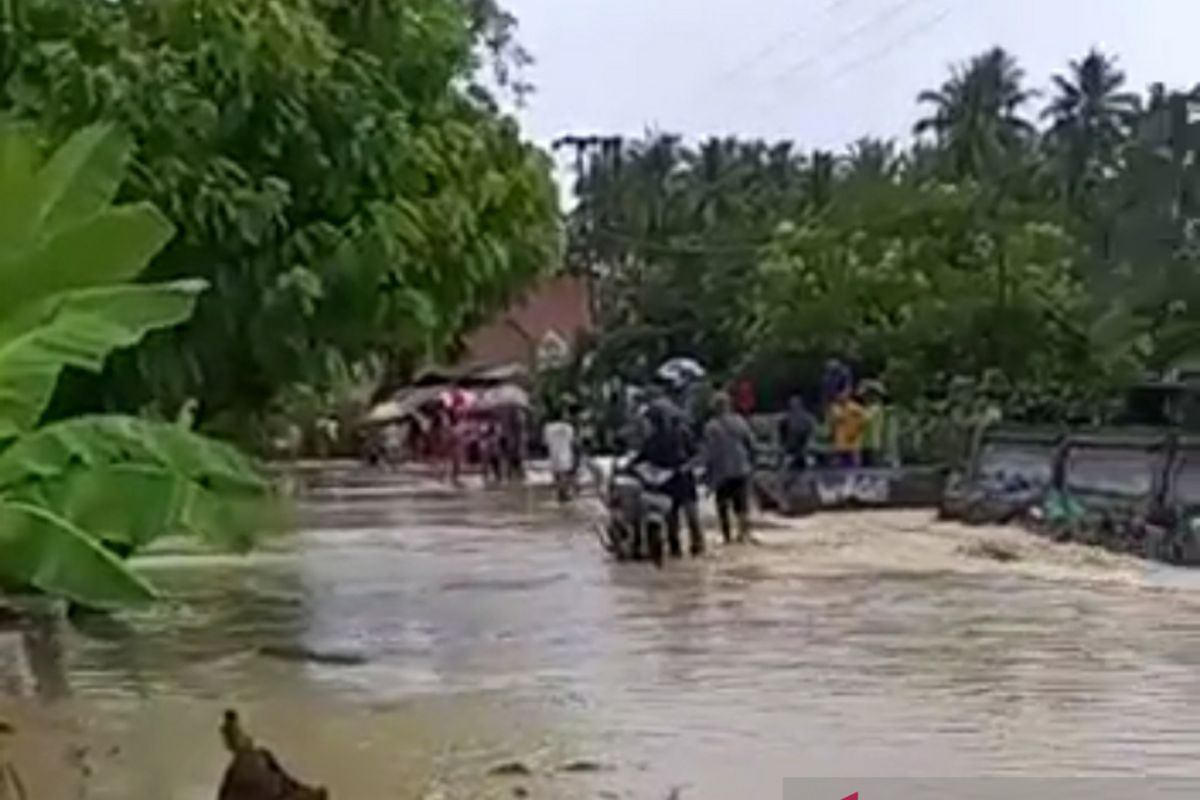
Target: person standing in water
{"x":668,"y":446}
{"x":729,"y":463}
{"x":561,"y":440}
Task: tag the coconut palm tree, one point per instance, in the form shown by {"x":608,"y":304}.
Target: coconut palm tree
{"x":871,"y":159}
{"x":976,"y":114}
{"x":1090,"y":118}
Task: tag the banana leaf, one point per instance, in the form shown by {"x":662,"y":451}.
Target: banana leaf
{"x":80,"y":329}
{"x":79,"y":180}
{"x":40,"y":550}
{"x":109,"y":247}
{"x":102,"y":440}
{"x":58,"y":232}
{"x":134,"y":505}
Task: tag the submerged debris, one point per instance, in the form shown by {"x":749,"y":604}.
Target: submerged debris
{"x":511,"y":769}
{"x":584,"y":765}
{"x":254,"y":773}
{"x":303,"y":654}
{"x":992,"y":551}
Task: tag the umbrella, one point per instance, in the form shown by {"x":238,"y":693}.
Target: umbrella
{"x":406,"y":403}
{"x":506,"y":395}
{"x":682,"y":370}
{"x":387,"y":411}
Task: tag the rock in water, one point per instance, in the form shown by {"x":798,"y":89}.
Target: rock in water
{"x":254,"y":773}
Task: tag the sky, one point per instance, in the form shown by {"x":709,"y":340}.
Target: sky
{"x":820,"y":72}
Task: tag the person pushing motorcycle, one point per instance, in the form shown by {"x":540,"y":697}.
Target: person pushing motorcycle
{"x":669,"y":445}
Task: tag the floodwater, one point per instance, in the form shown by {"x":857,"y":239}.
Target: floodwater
{"x":417,"y":642}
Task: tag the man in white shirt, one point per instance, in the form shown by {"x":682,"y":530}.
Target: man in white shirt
{"x":559,"y":436}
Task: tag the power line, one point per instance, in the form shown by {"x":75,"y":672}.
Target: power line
{"x":707,"y":87}
{"x":882,"y":18}
{"x":890,"y":46}
{"x":904,"y":38}
{"x":773,"y":46}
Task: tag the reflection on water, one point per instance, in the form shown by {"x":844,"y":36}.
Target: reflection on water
{"x":411,"y":638}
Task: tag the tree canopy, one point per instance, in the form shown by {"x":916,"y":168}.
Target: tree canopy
{"x":1048,"y":264}
{"x":334,"y":169}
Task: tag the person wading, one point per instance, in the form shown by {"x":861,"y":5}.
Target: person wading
{"x":729,"y":461}
{"x":561,"y":441}
{"x":668,"y":446}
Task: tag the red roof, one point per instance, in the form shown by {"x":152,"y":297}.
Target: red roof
{"x":559,"y":305}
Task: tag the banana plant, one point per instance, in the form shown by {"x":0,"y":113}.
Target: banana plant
{"x":78,"y":494}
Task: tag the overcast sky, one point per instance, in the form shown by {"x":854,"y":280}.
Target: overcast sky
{"x":821,"y":72}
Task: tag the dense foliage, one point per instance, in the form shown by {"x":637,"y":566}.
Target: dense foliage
{"x":76,"y":491}
{"x":333,"y":170}
{"x":1043,"y":265}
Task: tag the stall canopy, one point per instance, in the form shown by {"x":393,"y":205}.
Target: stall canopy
{"x":404,"y":403}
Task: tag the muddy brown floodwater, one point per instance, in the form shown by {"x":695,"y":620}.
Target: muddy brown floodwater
{"x":416,"y":642}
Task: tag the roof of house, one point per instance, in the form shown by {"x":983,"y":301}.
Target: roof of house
{"x":559,"y":305}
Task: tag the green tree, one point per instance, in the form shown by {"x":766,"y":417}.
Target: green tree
{"x":74,"y":492}
{"x":1091,"y":118}
{"x":902,"y":280}
{"x":333,"y":169}
{"x":1146,"y":273}
{"x":1037,"y":268}
{"x":976,"y":115}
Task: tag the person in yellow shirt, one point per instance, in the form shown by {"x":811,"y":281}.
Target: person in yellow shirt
{"x":848,"y":420}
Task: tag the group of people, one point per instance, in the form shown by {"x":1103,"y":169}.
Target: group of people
{"x":724,"y":453}
{"x":453,"y":436}
{"x":852,"y":429}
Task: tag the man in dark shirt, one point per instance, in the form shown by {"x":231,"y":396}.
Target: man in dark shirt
{"x":795,"y":435}
{"x":669,"y":446}
{"x":729,"y":460}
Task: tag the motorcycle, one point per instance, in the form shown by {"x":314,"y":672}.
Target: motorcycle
{"x":639,"y":512}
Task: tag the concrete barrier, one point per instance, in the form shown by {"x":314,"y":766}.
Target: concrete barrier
{"x":829,"y":489}
{"x":1131,"y":490}
{"x":1010,"y":470}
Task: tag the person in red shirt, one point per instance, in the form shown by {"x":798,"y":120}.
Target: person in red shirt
{"x":743,"y":397}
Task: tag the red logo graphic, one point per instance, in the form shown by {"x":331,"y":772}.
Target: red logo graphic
{"x":851,"y":796}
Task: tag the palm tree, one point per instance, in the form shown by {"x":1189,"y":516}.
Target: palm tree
{"x":976,"y":114}
{"x":820,"y":179}
{"x":715,"y":175}
{"x":1090,"y":118}
{"x":871,"y":159}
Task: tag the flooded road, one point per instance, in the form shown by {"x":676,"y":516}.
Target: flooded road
{"x":412,"y":641}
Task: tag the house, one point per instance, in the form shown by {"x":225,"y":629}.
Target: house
{"x":541,"y":327}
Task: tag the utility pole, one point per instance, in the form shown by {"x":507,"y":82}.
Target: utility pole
{"x":586,"y":213}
